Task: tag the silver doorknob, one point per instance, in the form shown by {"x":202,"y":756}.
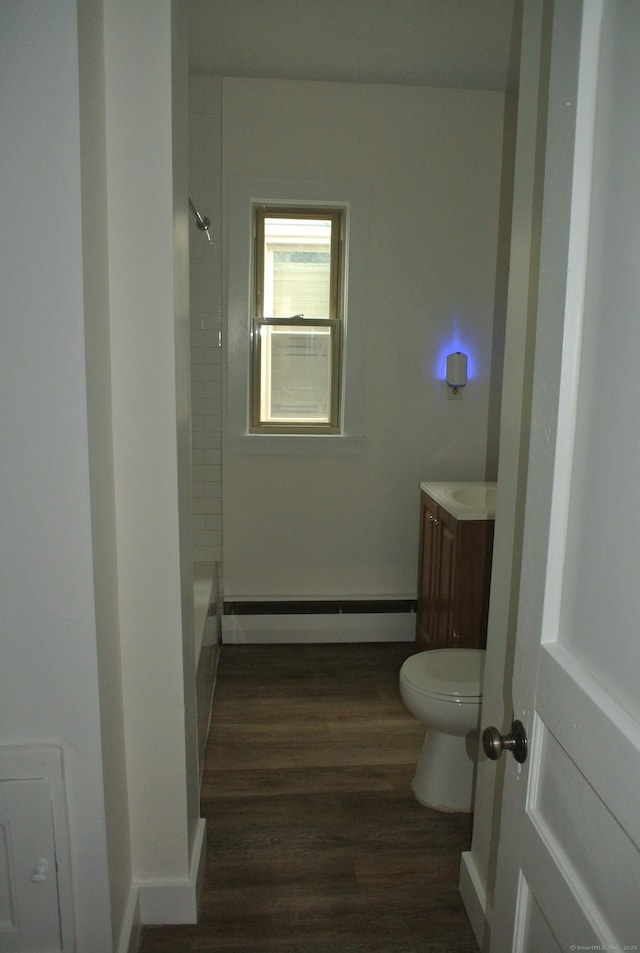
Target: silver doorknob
{"x":516,"y":742}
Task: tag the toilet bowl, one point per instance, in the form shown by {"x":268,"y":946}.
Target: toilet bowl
{"x":442,"y":688}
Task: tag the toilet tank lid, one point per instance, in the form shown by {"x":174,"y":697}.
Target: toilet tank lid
{"x":453,"y":672}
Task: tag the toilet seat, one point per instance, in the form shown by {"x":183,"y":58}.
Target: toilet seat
{"x":446,"y":673}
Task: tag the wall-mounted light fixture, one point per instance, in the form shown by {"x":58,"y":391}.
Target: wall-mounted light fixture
{"x":456,"y":372}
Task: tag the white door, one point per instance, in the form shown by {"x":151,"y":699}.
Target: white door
{"x":568,"y":875}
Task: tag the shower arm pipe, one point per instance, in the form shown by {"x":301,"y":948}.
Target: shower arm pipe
{"x":202,"y":222}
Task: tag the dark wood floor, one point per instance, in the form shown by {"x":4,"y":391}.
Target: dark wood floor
{"x":315,"y":841}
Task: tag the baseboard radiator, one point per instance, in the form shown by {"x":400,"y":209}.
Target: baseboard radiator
{"x":316,"y":621}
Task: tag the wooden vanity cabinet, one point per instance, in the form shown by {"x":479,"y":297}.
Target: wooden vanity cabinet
{"x":454,"y":577}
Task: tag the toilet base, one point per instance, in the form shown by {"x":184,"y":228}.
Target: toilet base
{"x":445,"y":772}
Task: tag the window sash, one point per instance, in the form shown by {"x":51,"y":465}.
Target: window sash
{"x":336,"y":216}
{"x":296,"y":375}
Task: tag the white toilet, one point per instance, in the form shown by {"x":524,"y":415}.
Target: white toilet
{"x":442,"y":688}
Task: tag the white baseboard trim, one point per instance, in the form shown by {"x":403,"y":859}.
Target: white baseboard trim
{"x":474,"y":898}
{"x":319,"y":628}
{"x":176,"y":902}
{"x":131,"y":927}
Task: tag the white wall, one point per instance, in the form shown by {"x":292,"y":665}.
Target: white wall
{"x":98,"y":359}
{"x":96,"y":595}
{"x":326,"y":524}
{"x":177,"y":67}
{"x":205,"y":129}
{"x":48,"y":628}
{"x":149,"y":381}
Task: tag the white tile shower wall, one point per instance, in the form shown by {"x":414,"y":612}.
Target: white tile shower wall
{"x":205,"y":121}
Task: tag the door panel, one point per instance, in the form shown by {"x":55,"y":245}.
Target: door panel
{"x":30,"y":912}
{"x":536,"y":936}
{"x":570,"y":823}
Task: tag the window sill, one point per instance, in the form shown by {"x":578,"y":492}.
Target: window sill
{"x":295,"y":444}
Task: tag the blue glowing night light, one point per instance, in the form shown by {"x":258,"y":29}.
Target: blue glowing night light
{"x":452,"y":344}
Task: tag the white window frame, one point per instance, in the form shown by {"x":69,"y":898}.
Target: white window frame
{"x":265,"y":325}
{"x":244,"y":195}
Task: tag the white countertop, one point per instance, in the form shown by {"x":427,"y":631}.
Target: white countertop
{"x":464,"y":501}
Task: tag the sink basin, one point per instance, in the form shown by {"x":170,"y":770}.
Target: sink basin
{"x":478,"y":497}
{"x":464,"y":501}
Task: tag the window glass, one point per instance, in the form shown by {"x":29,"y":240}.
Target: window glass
{"x":297,"y":267}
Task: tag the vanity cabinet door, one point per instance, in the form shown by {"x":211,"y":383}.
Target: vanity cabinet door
{"x":473,"y":574}
{"x":454,"y":578}
{"x":447,"y":530}
{"x":427,"y":572}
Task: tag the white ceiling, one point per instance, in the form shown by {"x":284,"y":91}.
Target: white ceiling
{"x":451,"y":43}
